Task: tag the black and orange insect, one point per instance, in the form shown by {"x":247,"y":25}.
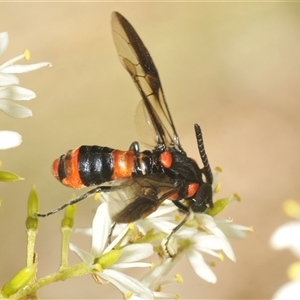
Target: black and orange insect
{"x":146,"y":178}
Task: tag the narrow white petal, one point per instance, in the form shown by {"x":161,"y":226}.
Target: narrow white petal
{"x":224,"y":243}
{"x":16,"y":93}
{"x":131,"y":265}
{"x":84,"y":256}
{"x":162,"y":295}
{"x":289,"y":291}
{"x":8,"y":79}
{"x":232,"y":230}
{"x":206,"y":241}
{"x":136,"y":252}
{"x":116,"y":240}
{"x":101,"y":229}
{"x":200,"y":267}
{"x":9,"y":139}
{"x":11,"y":62}
{"x":87,"y":231}
{"x":160,"y":224}
{"x":227,"y":249}
{"x":14,"y":110}
{"x":207,"y":220}
{"x":16,"y":69}
{"x":156,"y":273}
{"x":126,"y":284}
{"x":3,"y":41}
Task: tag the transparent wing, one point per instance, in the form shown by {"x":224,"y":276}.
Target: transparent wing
{"x":137,"y":61}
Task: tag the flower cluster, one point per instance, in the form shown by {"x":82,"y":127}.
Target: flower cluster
{"x":285,"y":237}
{"x":203,"y":234}
{"x":9,"y":90}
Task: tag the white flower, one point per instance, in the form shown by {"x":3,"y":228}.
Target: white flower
{"x":202,"y":234}
{"x":287,"y":237}
{"x":8,"y":82}
{"x":107,"y":263}
{"x":289,"y":291}
{"x":10,"y":90}
{"x":9,"y":139}
{"x":155,"y":283}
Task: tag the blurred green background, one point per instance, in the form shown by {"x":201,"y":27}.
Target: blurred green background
{"x":231,"y":67}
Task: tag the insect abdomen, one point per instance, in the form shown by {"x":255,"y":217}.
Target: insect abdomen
{"x":92,"y":165}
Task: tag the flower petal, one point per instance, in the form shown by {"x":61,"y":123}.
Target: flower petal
{"x":16,"y":93}
{"x":126,"y":284}
{"x":16,"y":69}
{"x":9,"y":139}
{"x":101,"y":229}
{"x":3,"y":41}
{"x":232,"y":230}
{"x":285,"y":237}
{"x":14,"y":110}
{"x":290,"y":290}
{"x":84,"y":256}
{"x":200,"y":267}
{"x":136,"y":252}
{"x":8,"y":79}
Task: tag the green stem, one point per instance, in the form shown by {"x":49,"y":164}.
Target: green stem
{"x":66,"y":232}
{"x":62,"y":274}
{"x":31,"y":235}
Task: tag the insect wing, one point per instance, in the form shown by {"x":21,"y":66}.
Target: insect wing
{"x":138,"y":197}
{"x":146,"y":132}
{"x":137,"y":61}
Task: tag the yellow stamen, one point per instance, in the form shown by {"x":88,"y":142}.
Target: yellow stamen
{"x":291,"y":208}
{"x":218,"y":169}
{"x":131,"y":226}
{"x":178,"y":278}
{"x":221,"y":257}
{"x":158,"y":289}
{"x":217,"y":188}
{"x":251,"y":229}
{"x":26,"y":54}
{"x":128,"y":295}
{"x":97,"y":197}
{"x":212,"y":264}
{"x":237,"y":197}
{"x":293,"y":271}
{"x":177,"y":218}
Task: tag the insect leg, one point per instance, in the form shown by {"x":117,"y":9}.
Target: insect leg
{"x":207,"y":171}
{"x":173,"y":231}
{"x":111,"y":232}
{"x":75,"y":200}
{"x":181,"y":207}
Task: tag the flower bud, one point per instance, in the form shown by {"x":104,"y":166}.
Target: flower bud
{"x":108,"y":258}
{"x":32,"y":209}
{"x":7,"y":176}
{"x":68,"y":219}
{"x":19,"y":281}
{"x":218,"y":207}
